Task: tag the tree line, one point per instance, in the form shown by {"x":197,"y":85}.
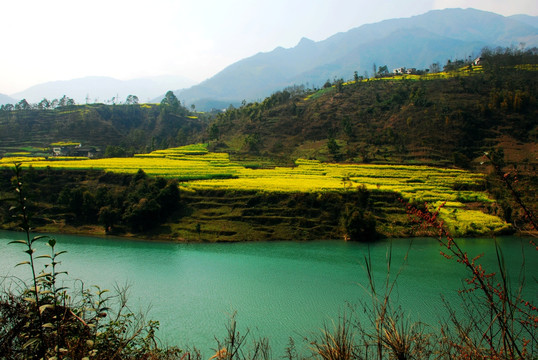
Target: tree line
{"x":170,"y":102}
{"x":118,"y":202}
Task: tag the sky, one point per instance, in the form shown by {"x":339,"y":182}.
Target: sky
{"x":126,"y":39}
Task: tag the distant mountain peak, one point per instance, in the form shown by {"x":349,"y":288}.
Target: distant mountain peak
{"x":305,"y":41}
{"x":4,"y":99}
{"x":101,"y":88}
{"x":417,"y":41}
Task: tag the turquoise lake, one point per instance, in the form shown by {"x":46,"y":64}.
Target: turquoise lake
{"x":277,"y":289}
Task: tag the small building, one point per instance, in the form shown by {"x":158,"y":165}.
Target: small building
{"x":411,"y":71}
{"x":60,"y":151}
{"x":74,"y":150}
{"x":477,"y":61}
{"x":399,"y":71}
{"x":86,"y":151}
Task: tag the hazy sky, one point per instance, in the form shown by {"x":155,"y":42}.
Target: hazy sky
{"x":66,"y":39}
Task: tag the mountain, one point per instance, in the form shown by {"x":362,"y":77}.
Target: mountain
{"x":411,"y":42}
{"x":4,"y":99}
{"x":527,"y":19}
{"x":103,"y":89}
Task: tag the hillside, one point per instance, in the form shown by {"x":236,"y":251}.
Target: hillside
{"x":444,"y":119}
{"x":448,"y":119}
{"x":416,"y":42}
{"x":129,"y":128}
{"x":221,"y":200}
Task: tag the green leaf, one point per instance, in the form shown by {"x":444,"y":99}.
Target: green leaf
{"x":44,"y":257}
{"x":47,"y":325}
{"x":52,"y":242}
{"x":17,"y":242}
{"x":38,"y":238}
{"x":23,"y":263}
{"x":29,"y":299}
{"x":60,"y":253}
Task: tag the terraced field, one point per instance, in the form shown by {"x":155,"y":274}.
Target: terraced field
{"x":203,"y":172}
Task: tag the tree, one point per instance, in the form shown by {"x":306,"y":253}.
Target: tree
{"x":214,"y":132}
{"x":23,"y":105}
{"x":66,"y":101}
{"x":383,"y":70}
{"x":108,"y":216}
{"x":114,"y":151}
{"x":8,"y":107}
{"x":358,"y":225}
{"x":43,"y":104}
{"x":170,"y":102}
{"x":339,"y":85}
{"x":333,"y":147}
{"x":63,"y":101}
{"x":131,"y":100}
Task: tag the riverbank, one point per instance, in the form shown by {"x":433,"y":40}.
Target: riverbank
{"x":91,"y":202}
{"x":231,"y":216}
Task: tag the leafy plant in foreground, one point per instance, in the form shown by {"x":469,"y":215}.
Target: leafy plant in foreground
{"x":44,"y":321}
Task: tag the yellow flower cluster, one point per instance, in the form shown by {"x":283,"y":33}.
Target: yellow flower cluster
{"x":204,"y":170}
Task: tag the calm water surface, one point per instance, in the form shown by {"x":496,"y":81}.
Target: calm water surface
{"x":278,"y":289}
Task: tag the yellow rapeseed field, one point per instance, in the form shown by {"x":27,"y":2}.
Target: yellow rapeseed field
{"x":197,"y":168}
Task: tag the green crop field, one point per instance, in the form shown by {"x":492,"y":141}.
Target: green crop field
{"x":197,"y":168}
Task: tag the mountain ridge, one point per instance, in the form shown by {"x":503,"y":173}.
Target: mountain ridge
{"x":5,"y":99}
{"x":103,"y":88}
{"x":417,"y":41}
{"x":467,"y":31}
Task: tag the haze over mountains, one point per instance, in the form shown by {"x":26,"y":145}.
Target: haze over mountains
{"x":415,"y":42}
{"x":411,"y":42}
{"x":103,"y":89}
{"x":4,"y":99}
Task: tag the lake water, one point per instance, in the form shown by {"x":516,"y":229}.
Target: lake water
{"x":278,"y":289}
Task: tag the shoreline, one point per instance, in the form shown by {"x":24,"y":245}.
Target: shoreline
{"x":97,"y":232}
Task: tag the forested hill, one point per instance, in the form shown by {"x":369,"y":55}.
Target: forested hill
{"x":125,"y":128}
{"x":445,"y":119}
